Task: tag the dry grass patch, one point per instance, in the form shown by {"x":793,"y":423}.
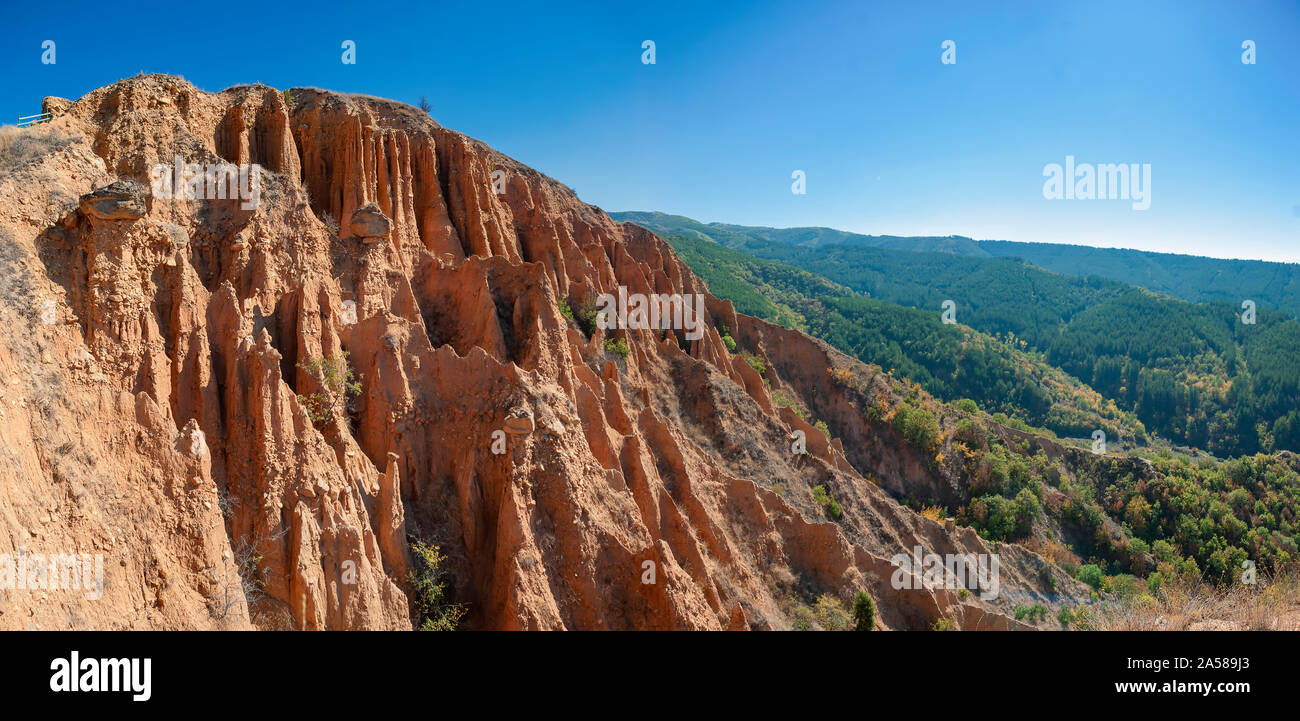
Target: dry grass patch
{"x":1272,"y":604}
{"x":18,"y":146}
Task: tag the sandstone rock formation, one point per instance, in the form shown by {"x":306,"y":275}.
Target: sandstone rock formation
{"x":151,"y":385}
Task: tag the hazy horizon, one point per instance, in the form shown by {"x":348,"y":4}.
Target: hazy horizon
{"x":953,"y":235}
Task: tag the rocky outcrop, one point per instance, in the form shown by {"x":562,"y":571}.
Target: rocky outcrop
{"x":121,"y":200}
{"x":568,"y":485}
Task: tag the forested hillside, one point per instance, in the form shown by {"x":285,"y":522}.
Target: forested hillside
{"x":1194,"y":278}
{"x":1194,"y":373}
{"x":950,"y":361}
{"x":1123,"y":524}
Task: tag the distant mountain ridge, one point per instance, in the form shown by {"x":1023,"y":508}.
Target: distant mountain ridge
{"x":810,"y":237}
{"x":1189,"y":277}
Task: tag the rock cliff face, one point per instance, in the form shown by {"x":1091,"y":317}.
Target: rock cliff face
{"x":159,"y":352}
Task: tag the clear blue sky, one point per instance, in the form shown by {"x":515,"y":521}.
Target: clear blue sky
{"x":742,"y":94}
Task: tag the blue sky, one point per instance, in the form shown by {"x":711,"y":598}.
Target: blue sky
{"x":742,"y":94}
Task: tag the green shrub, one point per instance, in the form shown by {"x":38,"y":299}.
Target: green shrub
{"x":782,"y":399}
{"x":755,"y":362}
{"x":1065,"y":616}
{"x":1164,"y":551}
{"x":727,"y":340}
{"x":430,"y":582}
{"x":994,"y":517}
{"x":337,"y":384}
{"x":830,"y":613}
{"x":967,"y":405}
{"x":1155,"y":582}
{"x":1123,"y":585}
{"x":803,"y":619}
{"x":1033,"y":614}
{"x":584,"y":315}
{"x":864,"y":612}
{"x":828,"y":504}
{"x":918,"y":426}
{"x":1092,"y":575}
{"x":1027,"y":511}
{"x":617,"y":346}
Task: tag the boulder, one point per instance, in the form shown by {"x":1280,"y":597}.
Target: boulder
{"x":370,"y":222}
{"x":122,"y":200}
